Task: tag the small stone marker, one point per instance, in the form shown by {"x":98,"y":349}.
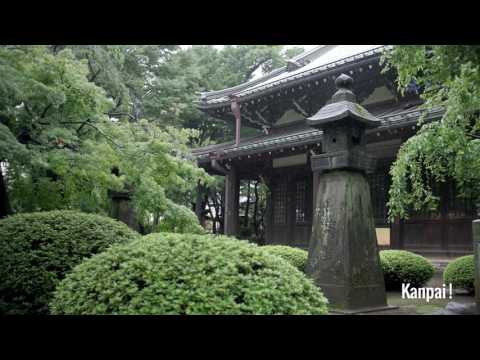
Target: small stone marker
{"x":455,"y":308}
{"x":343,"y":256}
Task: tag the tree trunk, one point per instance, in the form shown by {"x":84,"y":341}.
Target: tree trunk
{"x":205,"y":212}
{"x":213,"y":218}
{"x":4,"y":202}
{"x":199,"y":206}
{"x":247,"y":205}
{"x":156,"y":219}
{"x":221,"y":215}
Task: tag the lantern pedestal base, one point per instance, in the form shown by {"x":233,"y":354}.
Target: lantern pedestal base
{"x":364,"y":310}
{"x":343,"y":256}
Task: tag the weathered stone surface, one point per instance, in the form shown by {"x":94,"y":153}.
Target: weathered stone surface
{"x":455,"y":308}
{"x":354,"y":160}
{"x":122,"y":209}
{"x":476,"y":248}
{"x":343,"y":256}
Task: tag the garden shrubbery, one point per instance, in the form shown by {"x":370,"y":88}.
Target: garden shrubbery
{"x":461,"y":273}
{"x":400,"y":266}
{"x":295,"y":256}
{"x":167,"y":273}
{"x":38,"y":249}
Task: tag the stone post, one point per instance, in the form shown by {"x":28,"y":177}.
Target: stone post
{"x":476,"y":249}
{"x":343,"y":256}
{"x":122,"y":209}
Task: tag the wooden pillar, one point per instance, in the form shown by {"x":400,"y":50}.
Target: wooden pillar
{"x":232,"y":187}
{"x":268,"y":220}
{"x":396,"y":234}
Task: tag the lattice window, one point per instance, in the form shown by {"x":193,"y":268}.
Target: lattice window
{"x":457,"y":207}
{"x":280,"y":204}
{"x":300,"y":202}
{"x":379,"y":193}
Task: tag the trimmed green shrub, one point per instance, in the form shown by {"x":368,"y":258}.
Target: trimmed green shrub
{"x":400,"y":266}
{"x":167,"y":273}
{"x":37,"y":249}
{"x":461,"y":273}
{"x":295,"y":256}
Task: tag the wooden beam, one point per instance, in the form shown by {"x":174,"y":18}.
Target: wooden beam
{"x":299,"y":108}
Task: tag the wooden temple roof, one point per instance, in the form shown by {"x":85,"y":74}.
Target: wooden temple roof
{"x":304,"y":86}
{"x":309,"y":64}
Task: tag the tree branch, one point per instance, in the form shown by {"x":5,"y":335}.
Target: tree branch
{"x":28,"y":109}
{"x":254,"y":67}
{"x":44,"y":113}
{"x":87,"y":122}
{"x":90,"y":67}
{"x":474,"y":136}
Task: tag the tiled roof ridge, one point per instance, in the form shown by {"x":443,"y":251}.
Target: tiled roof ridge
{"x":291,"y":77}
{"x":308,"y":52}
{"x":242,"y":86}
{"x":262,"y":78}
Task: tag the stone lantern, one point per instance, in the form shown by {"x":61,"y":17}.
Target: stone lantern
{"x":343,"y":255}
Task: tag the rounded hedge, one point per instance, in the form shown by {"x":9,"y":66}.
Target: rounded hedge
{"x":400,"y":266}
{"x":461,"y":273}
{"x":168,"y":273}
{"x":295,"y":256}
{"x":37,"y":249}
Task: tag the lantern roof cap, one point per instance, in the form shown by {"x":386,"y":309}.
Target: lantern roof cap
{"x":343,"y":105}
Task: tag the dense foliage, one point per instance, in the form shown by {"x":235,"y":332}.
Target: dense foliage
{"x":461,"y":273}
{"x":157,"y":164}
{"x":79,"y":120}
{"x":295,"y":256}
{"x":400,"y":266}
{"x":60,"y":143}
{"x":38,"y":249}
{"x":187,"y":274}
{"x":448,"y":76}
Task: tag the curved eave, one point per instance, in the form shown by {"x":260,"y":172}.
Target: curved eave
{"x":240,"y":92}
{"x":342,"y":110}
{"x":243,"y":86}
{"x":388,"y":122}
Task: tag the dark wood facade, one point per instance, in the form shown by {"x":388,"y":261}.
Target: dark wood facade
{"x":290,"y":207}
{"x":446,"y":232}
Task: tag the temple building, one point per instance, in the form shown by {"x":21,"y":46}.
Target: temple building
{"x":277,"y":105}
